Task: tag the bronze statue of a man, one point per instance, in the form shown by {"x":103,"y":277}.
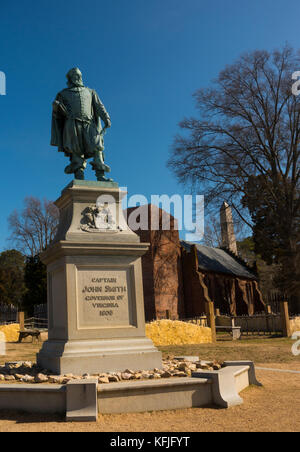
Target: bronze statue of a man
{"x":77,"y":128}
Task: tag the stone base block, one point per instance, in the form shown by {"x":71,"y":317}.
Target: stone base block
{"x":81,"y":401}
{"x":229,"y":381}
{"x":94,"y":357}
{"x":154,"y":395}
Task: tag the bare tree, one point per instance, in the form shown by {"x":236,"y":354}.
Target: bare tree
{"x":212,"y":234}
{"x":248,"y":129}
{"x":249,"y":125}
{"x":33,"y":229}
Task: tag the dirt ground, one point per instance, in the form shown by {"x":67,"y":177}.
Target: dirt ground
{"x":273,"y":408}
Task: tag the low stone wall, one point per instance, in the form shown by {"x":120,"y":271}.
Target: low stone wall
{"x":84,"y":399}
{"x":136,"y":397}
{"x":47,"y":399}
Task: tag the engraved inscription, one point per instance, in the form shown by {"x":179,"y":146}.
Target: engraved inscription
{"x":103,"y":298}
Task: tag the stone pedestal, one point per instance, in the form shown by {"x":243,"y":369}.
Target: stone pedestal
{"x":95,"y":290}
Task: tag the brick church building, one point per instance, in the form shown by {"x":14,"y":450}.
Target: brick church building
{"x":181,"y":277}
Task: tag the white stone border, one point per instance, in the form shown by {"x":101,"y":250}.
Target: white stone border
{"x":83,"y":400}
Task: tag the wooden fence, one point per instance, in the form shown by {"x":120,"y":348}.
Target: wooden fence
{"x":36,"y":323}
{"x":261,"y":324}
{"x":8,"y":314}
{"x":40,"y":311}
{"x":200,"y":321}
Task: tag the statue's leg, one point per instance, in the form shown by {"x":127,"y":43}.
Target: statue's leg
{"x":79,"y":174}
{"x":76,"y":150}
{"x":100,"y":167}
{"x":77,"y":166}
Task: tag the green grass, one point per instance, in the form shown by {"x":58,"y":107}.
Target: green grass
{"x":259,"y":350}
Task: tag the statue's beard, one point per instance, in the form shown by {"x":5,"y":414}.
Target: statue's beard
{"x":76,"y":83}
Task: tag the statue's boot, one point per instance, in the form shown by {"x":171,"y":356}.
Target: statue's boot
{"x":69,"y":169}
{"x":76,"y":167}
{"x":79,"y":174}
{"x":101,"y":176}
{"x":100,"y":167}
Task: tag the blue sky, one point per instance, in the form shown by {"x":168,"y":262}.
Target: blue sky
{"x":145,"y":59}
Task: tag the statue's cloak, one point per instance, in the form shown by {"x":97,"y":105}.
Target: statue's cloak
{"x":76,"y":125}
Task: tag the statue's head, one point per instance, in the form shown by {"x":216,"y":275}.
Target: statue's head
{"x":74,"y":77}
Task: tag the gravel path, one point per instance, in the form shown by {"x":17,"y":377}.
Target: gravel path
{"x":278,"y":370}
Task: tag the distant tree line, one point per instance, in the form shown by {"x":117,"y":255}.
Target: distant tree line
{"x":23,"y":276}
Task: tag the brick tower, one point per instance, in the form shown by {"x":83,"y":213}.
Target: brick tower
{"x":227,"y":229}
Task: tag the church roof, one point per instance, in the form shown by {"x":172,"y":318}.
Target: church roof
{"x":219,"y":261}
